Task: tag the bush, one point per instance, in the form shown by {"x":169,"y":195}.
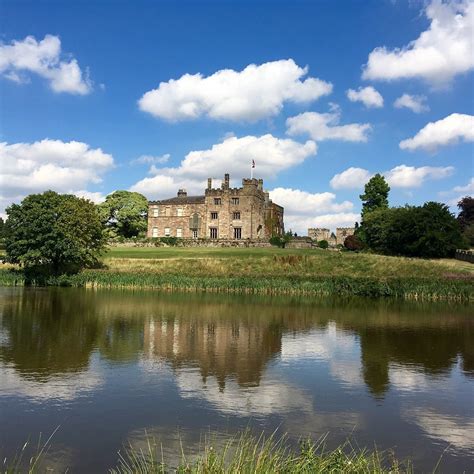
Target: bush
{"x":171,"y":241}
{"x":323,"y":244}
{"x":352,"y":242}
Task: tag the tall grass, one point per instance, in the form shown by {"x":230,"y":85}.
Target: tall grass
{"x":249,"y":454}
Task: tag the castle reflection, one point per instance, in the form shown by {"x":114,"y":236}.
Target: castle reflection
{"x":52,"y":332}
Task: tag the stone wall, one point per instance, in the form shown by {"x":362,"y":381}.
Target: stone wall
{"x":319,"y":233}
{"x":342,"y":233}
{"x":465,"y":255}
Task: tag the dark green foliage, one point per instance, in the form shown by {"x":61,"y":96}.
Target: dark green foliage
{"x":469,"y":235}
{"x":281,"y":241}
{"x":323,"y":244}
{"x":466,"y":212}
{"x":429,"y":231}
{"x":124,"y":213}
{"x":171,"y":241}
{"x":352,"y":242}
{"x":375,"y":195}
{"x":51,"y":234}
{"x":2,"y":228}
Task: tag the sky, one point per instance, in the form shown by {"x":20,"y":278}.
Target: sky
{"x":153,"y":96}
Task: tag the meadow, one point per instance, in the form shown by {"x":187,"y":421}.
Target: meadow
{"x":271,"y":271}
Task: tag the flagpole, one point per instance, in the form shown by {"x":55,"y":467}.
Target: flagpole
{"x":251,"y":169}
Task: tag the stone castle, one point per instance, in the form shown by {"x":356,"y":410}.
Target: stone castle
{"x":333,"y":239}
{"x":223,"y":213}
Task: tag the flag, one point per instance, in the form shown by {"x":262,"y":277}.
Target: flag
{"x":253,"y":163}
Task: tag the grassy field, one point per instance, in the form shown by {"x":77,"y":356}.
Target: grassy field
{"x":273,"y":271}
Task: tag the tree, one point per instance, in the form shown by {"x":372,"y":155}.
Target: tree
{"x":375,"y":195}
{"x":429,"y":231}
{"x":352,"y":242}
{"x":125,"y":213}
{"x":53,"y":234}
{"x":466,"y":212}
{"x":2,"y":228}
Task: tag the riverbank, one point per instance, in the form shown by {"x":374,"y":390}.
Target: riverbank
{"x":273,"y":271}
{"x":244,"y":453}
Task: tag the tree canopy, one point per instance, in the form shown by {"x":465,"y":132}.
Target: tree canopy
{"x":375,"y":195}
{"x":124,"y":213}
{"x":429,"y":231}
{"x":53,"y":233}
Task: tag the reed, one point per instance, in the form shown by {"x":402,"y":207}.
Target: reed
{"x":249,"y":454}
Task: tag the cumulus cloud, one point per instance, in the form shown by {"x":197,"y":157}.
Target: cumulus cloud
{"x":233,"y":155}
{"x":369,"y":96}
{"x":95,"y":197}
{"x":416,"y":103}
{"x":50,"y":164}
{"x":403,"y":176}
{"x":326,"y":127}
{"x":469,"y":188}
{"x":441,"y":52}
{"x":151,"y":160}
{"x":460,"y":191}
{"x":256,"y":92}
{"x":448,"y":131}
{"x":20,"y":58}
{"x":351,"y":178}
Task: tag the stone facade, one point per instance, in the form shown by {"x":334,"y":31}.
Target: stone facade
{"x":223,"y":213}
{"x":319,"y":233}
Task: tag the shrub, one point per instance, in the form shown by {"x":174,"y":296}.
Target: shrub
{"x":352,"y":242}
{"x":323,"y":244}
{"x":171,"y":241}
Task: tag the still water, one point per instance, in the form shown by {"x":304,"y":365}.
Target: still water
{"x":106,"y":367}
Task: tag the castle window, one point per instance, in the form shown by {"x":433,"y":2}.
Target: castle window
{"x":213,"y":232}
{"x":236,"y":216}
{"x":179,"y":232}
{"x":154,"y":232}
{"x":195,"y":234}
{"x":237,"y":232}
{"x":217,"y":201}
{"x":235,"y":201}
{"x":155,"y":212}
{"x":167,"y":231}
{"x":179,"y":212}
{"x":214,"y":215}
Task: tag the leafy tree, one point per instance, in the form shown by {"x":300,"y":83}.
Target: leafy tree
{"x":375,"y":195}
{"x":352,"y":242}
{"x":466,"y":212}
{"x":429,"y":231}
{"x":2,"y":228}
{"x":125,"y":213}
{"x":53,"y":234}
{"x":323,"y":244}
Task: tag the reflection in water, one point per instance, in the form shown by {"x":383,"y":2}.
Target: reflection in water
{"x":309,"y":366}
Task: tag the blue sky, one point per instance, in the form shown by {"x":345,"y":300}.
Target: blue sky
{"x":152,"y":96}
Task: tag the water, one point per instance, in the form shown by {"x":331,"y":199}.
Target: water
{"x":106,"y":367}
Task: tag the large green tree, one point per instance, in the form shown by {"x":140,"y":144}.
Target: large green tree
{"x":375,"y":195}
{"x":429,"y":231}
{"x":466,"y":218}
{"x":125,"y":213}
{"x":53,"y":233}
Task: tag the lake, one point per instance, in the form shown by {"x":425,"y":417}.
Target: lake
{"x":111,"y":367}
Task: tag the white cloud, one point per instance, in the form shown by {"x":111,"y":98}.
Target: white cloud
{"x":233,"y":155}
{"x":403,"y":176}
{"x":447,"y":131}
{"x":351,"y":178}
{"x":43,"y":58}
{"x":256,"y":92}
{"x":441,"y":52}
{"x":296,"y":201}
{"x":95,"y":197}
{"x":369,"y":96}
{"x":469,"y":188}
{"x":301,"y":224}
{"x":416,"y":103}
{"x":151,"y":160}
{"x":49,"y":164}
{"x":325,"y":127}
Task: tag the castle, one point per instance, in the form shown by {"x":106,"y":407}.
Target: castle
{"x":223,"y":213}
{"x":332,"y":239}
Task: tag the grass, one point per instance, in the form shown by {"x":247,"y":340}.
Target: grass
{"x":274,"y":271}
{"x":242,"y":454}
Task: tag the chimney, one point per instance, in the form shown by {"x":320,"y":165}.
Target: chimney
{"x":182,"y":193}
{"x":226,"y":181}
{"x":209,"y":183}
